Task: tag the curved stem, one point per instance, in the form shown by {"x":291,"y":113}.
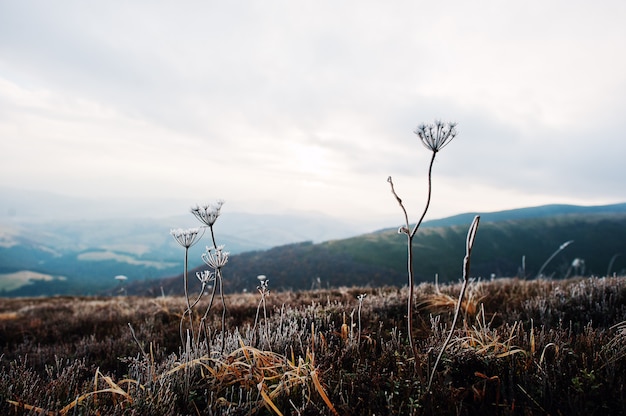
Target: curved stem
{"x":430,"y":189}
{"x":410,"y":234}
{"x":206,"y":313}
{"x":469,"y":245}
{"x":213,"y":237}
{"x":608,"y":270}
{"x":393,"y":191}
{"x":558,"y":250}
{"x":256,"y":320}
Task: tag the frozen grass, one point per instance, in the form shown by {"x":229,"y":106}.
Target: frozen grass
{"x":520,"y":347}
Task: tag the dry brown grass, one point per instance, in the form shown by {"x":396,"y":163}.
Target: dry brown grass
{"x":522,"y":347}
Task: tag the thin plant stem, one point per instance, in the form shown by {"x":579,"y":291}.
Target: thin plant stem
{"x":410,"y":235}
{"x":409,"y":313}
{"x":193,"y":305}
{"x":256,"y":320}
{"x":264,"y":292}
{"x":430,"y":190}
{"x":267,"y":333}
{"x":608,"y":270}
{"x":218,"y":275}
{"x":189,"y":310}
{"x":471,"y":236}
{"x":558,"y":250}
{"x":213,"y":237}
{"x":405,"y":230}
{"x":360,"y":298}
{"x":206,"y":313}
{"x":359,"y":317}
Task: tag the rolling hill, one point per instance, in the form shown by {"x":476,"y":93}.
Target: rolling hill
{"x":509,"y":243}
{"x":81,"y":257}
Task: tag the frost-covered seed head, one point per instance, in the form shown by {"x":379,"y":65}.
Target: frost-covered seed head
{"x":187,"y":237}
{"x":207,"y":214}
{"x":215,"y":257}
{"x":205,"y":276}
{"x":437,"y":135}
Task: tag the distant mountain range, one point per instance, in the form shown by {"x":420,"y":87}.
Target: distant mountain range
{"x":58,"y":245}
{"x":84,"y":257}
{"x":509,"y":243}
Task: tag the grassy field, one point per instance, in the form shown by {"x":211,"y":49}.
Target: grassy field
{"x":520,"y":348}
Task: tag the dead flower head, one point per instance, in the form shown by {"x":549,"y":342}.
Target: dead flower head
{"x":207,"y":214}
{"x":437,"y":135}
{"x":187,"y":237}
{"x":215,"y":257}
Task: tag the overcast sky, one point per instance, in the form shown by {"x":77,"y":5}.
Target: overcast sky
{"x":278,"y":106}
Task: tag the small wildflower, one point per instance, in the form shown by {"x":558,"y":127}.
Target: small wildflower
{"x":207,"y":214}
{"x":215,"y":257}
{"x":187,"y":237}
{"x":437,"y":135}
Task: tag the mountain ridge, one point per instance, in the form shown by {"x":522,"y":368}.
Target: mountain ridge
{"x":83,"y":257}
{"x":505,"y":246}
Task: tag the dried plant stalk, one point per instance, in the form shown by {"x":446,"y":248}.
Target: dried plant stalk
{"x":471,"y":236}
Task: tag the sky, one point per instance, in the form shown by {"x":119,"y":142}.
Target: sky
{"x":283,"y":106}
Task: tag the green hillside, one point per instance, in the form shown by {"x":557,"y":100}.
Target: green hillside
{"x":380,"y":258}
{"x":83,"y":257}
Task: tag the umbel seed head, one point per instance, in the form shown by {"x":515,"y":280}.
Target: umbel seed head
{"x":437,"y":135}
{"x":207,"y":214}
{"x":187,"y":237}
{"x":215,"y":257}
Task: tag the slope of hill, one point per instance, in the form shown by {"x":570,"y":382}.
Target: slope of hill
{"x":83,"y":257}
{"x":507,"y":247}
{"x":542,"y":211}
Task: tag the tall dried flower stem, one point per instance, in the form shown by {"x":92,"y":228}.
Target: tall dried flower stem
{"x":219,"y":285}
{"x":410,"y":234}
{"x":186,"y":238}
{"x":434,"y":137}
{"x":189,"y":310}
{"x":264,"y":291}
{"x":471,"y":236}
{"x":223,"y":325}
{"x":360,"y":299}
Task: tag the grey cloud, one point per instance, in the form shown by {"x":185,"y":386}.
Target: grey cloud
{"x":238,"y":83}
